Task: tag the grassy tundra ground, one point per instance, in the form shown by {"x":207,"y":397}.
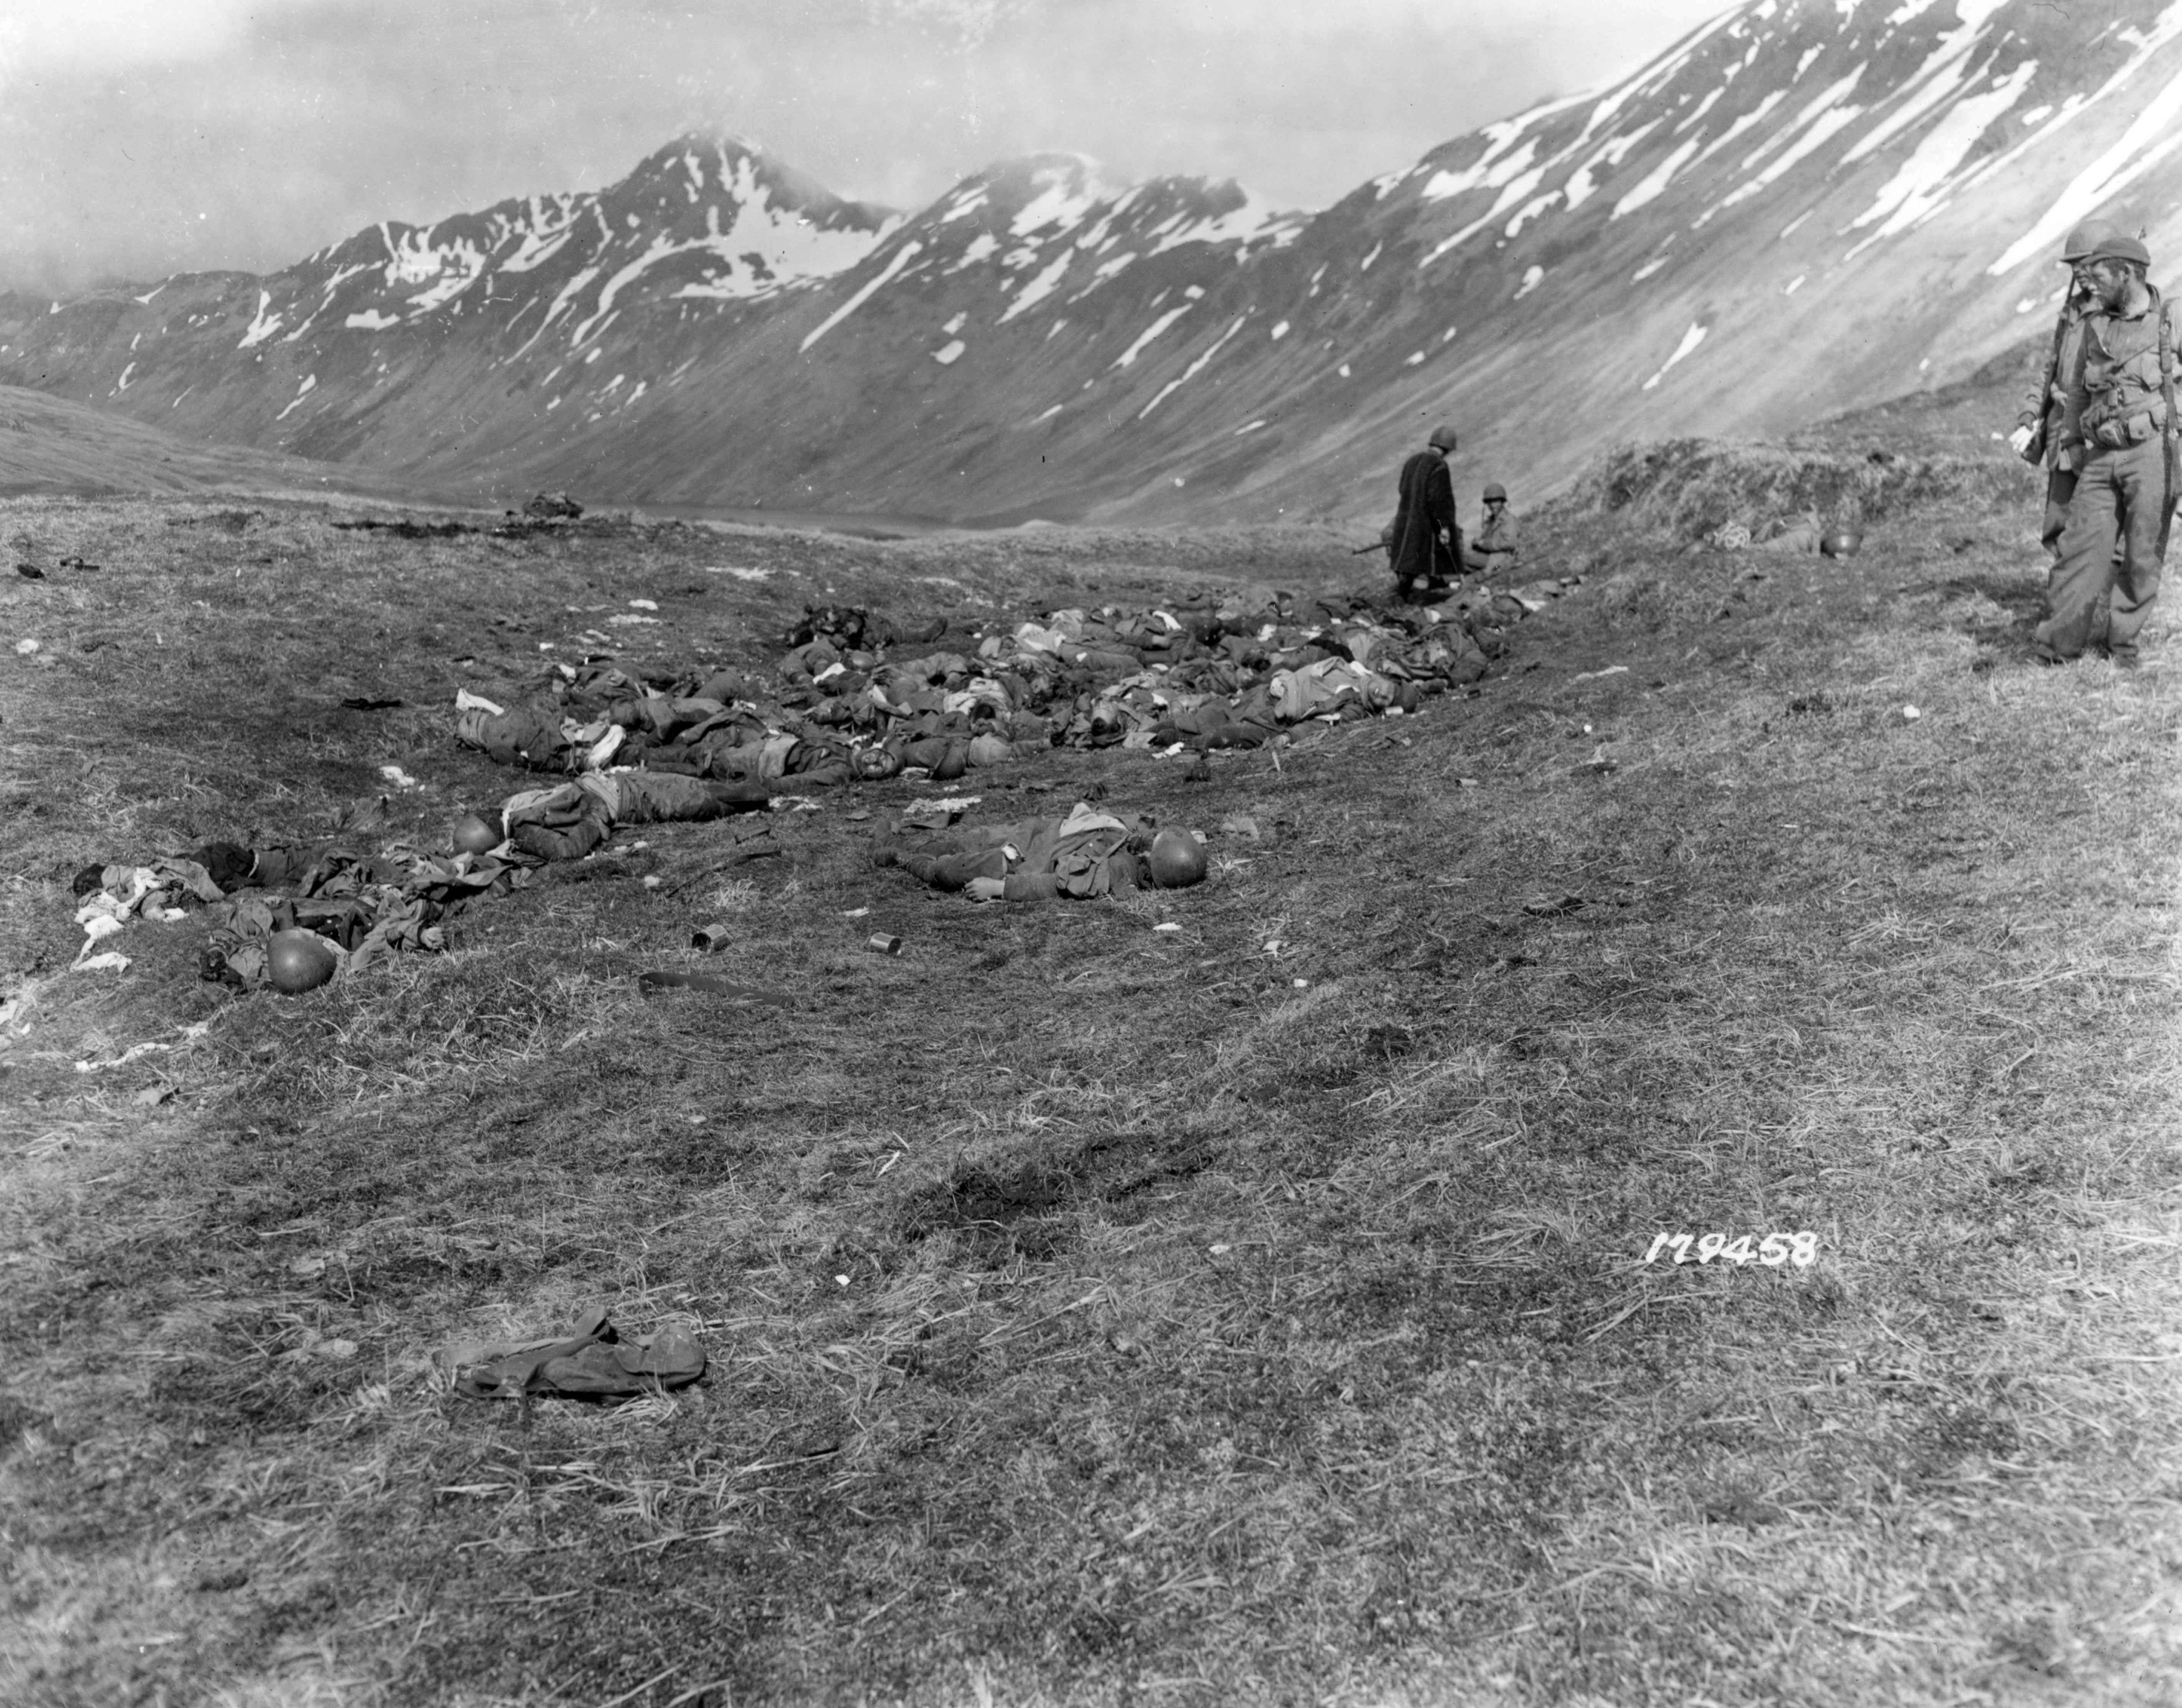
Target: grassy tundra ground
{"x":1101,"y":1315}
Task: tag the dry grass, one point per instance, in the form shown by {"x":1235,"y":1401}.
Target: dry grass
{"x":1099,"y":1315}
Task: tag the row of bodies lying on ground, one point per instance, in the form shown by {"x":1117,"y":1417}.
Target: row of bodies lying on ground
{"x":845,"y":712}
{"x":1195,"y":674}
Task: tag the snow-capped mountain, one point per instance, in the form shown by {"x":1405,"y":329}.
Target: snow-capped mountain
{"x":1803,"y":205}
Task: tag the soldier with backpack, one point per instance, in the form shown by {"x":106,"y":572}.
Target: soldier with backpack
{"x":2046,"y":430}
{"x":2131,"y":467}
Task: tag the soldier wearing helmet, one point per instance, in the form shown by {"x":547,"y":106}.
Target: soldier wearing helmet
{"x":2046,"y":429}
{"x":1425,"y":539}
{"x":1492,"y":550}
{"x":2115,"y":542}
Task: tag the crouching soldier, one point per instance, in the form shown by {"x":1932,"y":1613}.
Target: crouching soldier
{"x":1492,"y":551}
{"x":2126,"y":486}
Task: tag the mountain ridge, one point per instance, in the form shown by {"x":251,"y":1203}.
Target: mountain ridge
{"x":1799,"y":207}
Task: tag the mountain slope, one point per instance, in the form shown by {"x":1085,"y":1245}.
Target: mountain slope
{"x":49,"y":445}
{"x":1805,"y":205}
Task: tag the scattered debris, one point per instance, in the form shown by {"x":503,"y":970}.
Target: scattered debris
{"x":550,"y":507}
{"x":1541,"y":907}
{"x":400,"y":778}
{"x":29,"y":571}
{"x":369,"y":703}
{"x":881,"y":942}
{"x":939,"y":811}
{"x":134,"y":1052}
{"x":710,"y":939}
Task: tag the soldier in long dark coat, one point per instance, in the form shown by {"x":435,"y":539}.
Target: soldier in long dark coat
{"x":1426,"y":541}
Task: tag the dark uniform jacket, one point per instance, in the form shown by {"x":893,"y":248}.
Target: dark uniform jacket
{"x":2056,"y":403}
{"x":1425,"y":509}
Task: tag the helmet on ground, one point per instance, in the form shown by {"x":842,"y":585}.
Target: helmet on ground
{"x":2118,"y":245}
{"x":1177,"y":859}
{"x":1495,"y":493}
{"x":475,"y":834}
{"x":2085,"y":238}
{"x":297,"y":960}
{"x":1442,"y":439}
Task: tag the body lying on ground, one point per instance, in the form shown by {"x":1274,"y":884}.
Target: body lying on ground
{"x":1084,"y":855}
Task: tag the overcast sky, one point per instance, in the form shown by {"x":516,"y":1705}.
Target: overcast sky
{"x":141,"y":137}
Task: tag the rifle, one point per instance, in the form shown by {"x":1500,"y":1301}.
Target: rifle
{"x":1376,"y":545}
{"x":2034,"y":453}
{"x":2170,"y":431}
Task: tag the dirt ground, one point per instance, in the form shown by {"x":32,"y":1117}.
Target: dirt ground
{"x":1255,"y":1312}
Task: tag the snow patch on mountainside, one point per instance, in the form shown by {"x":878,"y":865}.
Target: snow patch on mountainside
{"x":871,"y":287}
{"x":1921,"y":187}
{"x":263,"y":324}
{"x":1194,"y":369}
{"x":309,"y":385}
{"x":1691,"y":340}
{"x":1128,"y":357}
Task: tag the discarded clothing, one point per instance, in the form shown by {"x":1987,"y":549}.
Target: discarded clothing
{"x":592,"y":1361}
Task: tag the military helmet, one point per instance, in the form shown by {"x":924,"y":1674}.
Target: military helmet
{"x":2118,"y":245}
{"x":1495,"y":493}
{"x":2086,"y":238}
{"x":1442,"y":439}
{"x":1177,"y":859}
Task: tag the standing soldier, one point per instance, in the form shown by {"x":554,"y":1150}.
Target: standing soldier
{"x":2047,"y":429}
{"x":1426,"y":542}
{"x":2126,"y":486}
{"x":1493,"y":547}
